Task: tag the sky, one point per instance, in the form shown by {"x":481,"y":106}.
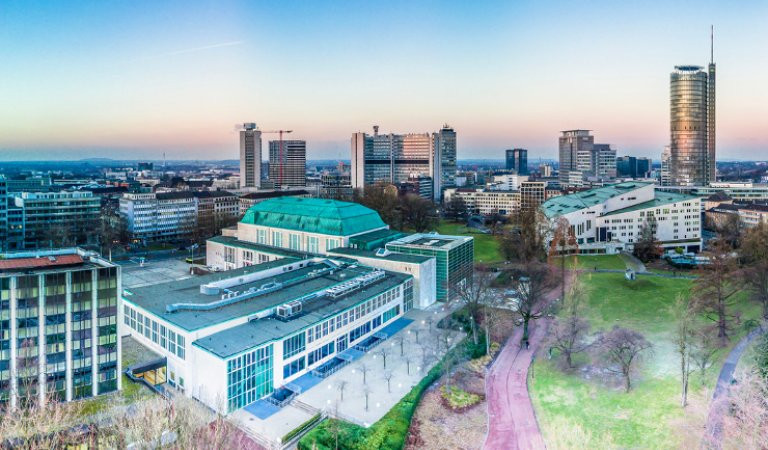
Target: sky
{"x":135,"y":79}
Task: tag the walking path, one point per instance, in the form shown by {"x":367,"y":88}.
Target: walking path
{"x":512,"y":421}
{"x":714,"y":423}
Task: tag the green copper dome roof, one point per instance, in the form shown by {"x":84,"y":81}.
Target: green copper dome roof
{"x":314,"y":215}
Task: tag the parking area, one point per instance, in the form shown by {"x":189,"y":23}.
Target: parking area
{"x":364,"y":389}
{"x":139,"y":272}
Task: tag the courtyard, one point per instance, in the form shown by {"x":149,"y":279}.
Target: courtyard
{"x":362,"y":391}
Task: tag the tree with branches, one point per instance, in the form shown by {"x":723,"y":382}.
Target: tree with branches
{"x":525,"y":240}
{"x":364,"y":369}
{"x":563,"y":242}
{"x":716,"y":288}
{"x":388,"y":378}
{"x":341,"y":385}
{"x":647,"y":248}
{"x":623,"y":348}
{"x":754,"y":254}
{"x":569,"y":333}
{"x":532,"y":285}
{"x":685,"y":317}
{"x":417,"y":213}
{"x":474,"y":294}
{"x":384,"y":352}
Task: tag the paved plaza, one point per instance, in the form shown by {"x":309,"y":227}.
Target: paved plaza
{"x":404,"y":372}
{"x":154,"y":270}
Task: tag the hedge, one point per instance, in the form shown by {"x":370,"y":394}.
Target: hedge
{"x":292,"y":434}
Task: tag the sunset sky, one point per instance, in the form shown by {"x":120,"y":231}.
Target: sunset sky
{"x":133,"y":79}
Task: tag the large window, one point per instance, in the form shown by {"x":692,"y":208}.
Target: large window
{"x":249,"y":377}
{"x":277,"y":239}
{"x":293,"y":345}
{"x":316,"y":355}
{"x":294,"y":367}
{"x":312,"y":244}
{"x":294,"y":241}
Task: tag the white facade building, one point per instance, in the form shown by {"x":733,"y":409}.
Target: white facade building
{"x":609,"y":219}
{"x":158,"y":216}
{"x":486,"y":202}
{"x":233,"y":338}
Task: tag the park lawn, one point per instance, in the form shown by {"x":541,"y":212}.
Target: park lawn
{"x":486,"y":246}
{"x":646,"y":416}
{"x":588,"y":262}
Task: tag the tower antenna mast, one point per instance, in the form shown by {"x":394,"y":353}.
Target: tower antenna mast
{"x":712,"y":44}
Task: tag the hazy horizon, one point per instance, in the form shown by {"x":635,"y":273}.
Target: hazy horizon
{"x":137,"y":79}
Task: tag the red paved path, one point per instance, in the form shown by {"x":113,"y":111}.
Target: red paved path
{"x":512,"y":423}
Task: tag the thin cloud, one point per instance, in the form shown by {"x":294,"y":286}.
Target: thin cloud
{"x":205,"y":47}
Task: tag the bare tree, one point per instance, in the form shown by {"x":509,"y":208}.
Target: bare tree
{"x":492,"y":318}
{"x":533,"y":284}
{"x":745,"y":422}
{"x":685,"y":317}
{"x":366,"y":392}
{"x":623,"y":348}
{"x":704,"y":350}
{"x":383,"y":352}
{"x":525,"y":240}
{"x":715,"y":290}
{"x":475,"y":293}
{"x":570,"y":331}
{"x":340,"y":386}
{"x":400,"y":341}
{"x":563,"y":242}
{"x":364,"y":369}
{"x":408,"y":360}
{"x":417,"y":212}
{"x":754,"y":252}
{"x":415,"y":332}
{"x":388,"y":379}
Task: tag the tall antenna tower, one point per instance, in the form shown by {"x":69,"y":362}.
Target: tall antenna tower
{"x":711,"y":44}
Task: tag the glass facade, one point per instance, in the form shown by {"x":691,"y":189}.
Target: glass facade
{"x":249,"y":377}
{"x":107,"y":331}
{"x":689,"y":126}
{"x":5,"y":339}
{"x":55,"y":334}
{"x":453,"y":265}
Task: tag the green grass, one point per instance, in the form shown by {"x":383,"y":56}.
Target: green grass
{"x":486,"y":245}
{"x":588,"y":262}
{"x":645,"y":417}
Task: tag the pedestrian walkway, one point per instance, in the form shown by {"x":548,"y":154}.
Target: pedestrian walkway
{"x":512,"y":421}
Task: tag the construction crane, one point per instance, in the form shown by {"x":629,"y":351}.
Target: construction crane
{"x":280,"y":132}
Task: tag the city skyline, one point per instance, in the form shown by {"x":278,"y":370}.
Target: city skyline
{"x":128,"y":78}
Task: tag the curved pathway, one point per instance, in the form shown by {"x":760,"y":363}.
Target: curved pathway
{"x":714,"y":423}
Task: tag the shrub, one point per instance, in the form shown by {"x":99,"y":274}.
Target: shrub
{"x":457,"y":398}
{"x":291,"y":434}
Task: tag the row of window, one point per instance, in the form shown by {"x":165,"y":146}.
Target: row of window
{"x":158,"y":333}
{"x":329,"y":326}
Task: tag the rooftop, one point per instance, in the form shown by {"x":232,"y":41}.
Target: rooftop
{"x":299,"y":279}
{"x":314,"y":215}
{"x":48,"y":261}
{"x":258,"y":332}
{"x":279,"y":251}
{"x":564,"y":204}
{"x":432,"y":240}
{"x":390,"y":256}
{"x":274,"y":194}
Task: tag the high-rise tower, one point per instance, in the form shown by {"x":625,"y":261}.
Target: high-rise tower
{"x":288,"y":167}
{"x":250,"y":156}
{"x":692,"y":125}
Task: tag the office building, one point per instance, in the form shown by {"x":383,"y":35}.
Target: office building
{"x":3,"y":213}
{"x":575,"y":151}
{"x":58,"y":326}
{"x":418,"y":185}
{"x":748,"y":215}
{"x":250,"y":156}
{"x":507,"y":182}
{"x":739,"y":192}
{"x":250,"y":199}
{"x":394,"y":158}
{"x":486,"y":202}
{"x":532,"y":194}
{"x":517,"y":160}
{"x":454,"y":258}
{"x":692,"y":126}
{"x":609,"y":219}
{"x":287,"y":163}
{"x":54,"y":219}
{"x":215,"y":210}
{"x":444,"y":160}
{"x":153,"y":217}
{"x":232,"y":338}
{"x":633,"y":167}
{"x":602,"y":162}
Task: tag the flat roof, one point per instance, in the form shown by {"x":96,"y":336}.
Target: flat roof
{"x":50,"y":261}
{"x":252,"y":334}
{"x":302,"y":281}
{"x":432,"y":240}
{"x":391,"y":256}
{"x":377,"y":235}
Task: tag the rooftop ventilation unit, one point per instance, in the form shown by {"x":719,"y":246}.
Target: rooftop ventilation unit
{"x":289,"y":309}
{"x":355,"y":283}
